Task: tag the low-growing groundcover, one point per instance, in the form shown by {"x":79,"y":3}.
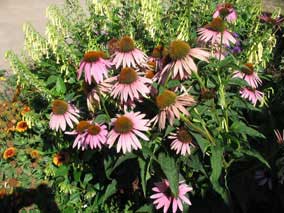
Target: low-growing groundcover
{"x":146,"y":106}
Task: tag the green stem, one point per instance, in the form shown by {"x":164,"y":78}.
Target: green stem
{"x":204,"y":132}
{"x":103,"y":104}
{"x":202,"y":85}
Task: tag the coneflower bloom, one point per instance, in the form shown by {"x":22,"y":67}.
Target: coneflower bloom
{"x":127,"y":55}
{"x":247,"y":73}
{"x":279,"y":137}
{"x":22,"y":126}
{"x":95,"y":66}
{"x":63,"y":113}
{"x":125,"y":130}
{"x":181,"y":141}
{"x":170,"y":105}
{"x":226,"y":11}
{"x":251,"y":94}
{"x":216,"y":31}
{"x":182,"y":63}
{"x":89,"y":134}
{"x":267,"y":18}
{"x":163,"y":197}
{"x":129,"y":85}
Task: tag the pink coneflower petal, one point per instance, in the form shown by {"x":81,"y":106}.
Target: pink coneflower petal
{"x":94,"y":66}
{"x":62,"y":113}
{"x":227,"y":11}
{"x":163,"y":197}
{"x":251,"y":94}
{"x":125,"y":131}
{"x":279,"y":136}
{"x":249,"y":75}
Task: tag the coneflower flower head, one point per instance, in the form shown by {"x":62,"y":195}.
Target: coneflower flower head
{"x":247,"y":73}
{"x":127,"y":55}
{"x":95,"y":66}
{"x":217,"y":24}
{"x":226,"y":11}
{"x":63,"y":113}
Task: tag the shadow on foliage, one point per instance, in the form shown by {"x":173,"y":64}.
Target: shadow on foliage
{"x":42,"y":196}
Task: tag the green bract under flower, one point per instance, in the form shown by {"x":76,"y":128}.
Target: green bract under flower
{"x":126,"y":44}
{"x":93,"y":56}
{"x":217,"y":24}
{"x":123,"y":125}
{"x":178,"y":49}
{"x":165,"y":99}
{"x":127,"y":75}
{"x":59,"y":107}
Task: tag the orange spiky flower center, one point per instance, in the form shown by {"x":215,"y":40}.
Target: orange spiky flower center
{"x":126,"y":44}
{"x":158,"y":51}
{"x":93,"y":56}
{"x":149,"y":74}
{"x":178,"y":49}
{"x":217,"y":24}
{"x":247,"y":69}
{"x":226,"y":9}
{"x":123,"y":124}
{"x":127,"y":75}
{"x":22,"y":125}
{"x":165,"y":99}
{"x":82,"y":126}
{"x":59,"y":107}
{"x":10,"y":152}
{"x":94,"y":129}
{"x":184,"y":136}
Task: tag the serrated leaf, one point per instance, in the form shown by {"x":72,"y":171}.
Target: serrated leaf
{"x":169,"y":168}
{"x":60,"y":86}
{"x":110,"y":190}
{"x":101,"y":119}
{"x":145,"y":209}
{"x":217,"y":165}
{"x":88,"y":177}
{"x":242,"y":128}
{"x":143,"y":170}
{"x":173,"y":83}
{"x":61,"y":171}
{"x":255,"y":154}
{"x":202,"y":142}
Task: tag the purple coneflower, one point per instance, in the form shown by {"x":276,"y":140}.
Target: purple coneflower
{"x":94,"y":66}
{"x":182,"y":141}
{"x":182,"y":63}
{"x":170,"y":105}
{"x":226,"y":11}
{"x":125,"y":130}
{"x":267,"y":18}
{"x":63,"y":113}
{"x":127,"y":55}
{"x":129,"y":85}
{"x":216,"y":31}
{"x":251,"y":94}
{"x":163,"y":196}
{"x":247,"y":73}
{"x":279,"y":137}
{"x":89,"y":135}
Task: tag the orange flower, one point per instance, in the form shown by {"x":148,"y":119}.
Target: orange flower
{"x":22,"y":126}
{"x":3,"y":192}
{"x":60,"y":158}
{"x":25,"y":110}
{"x":9,"y":153}
{"x":34,"y":154}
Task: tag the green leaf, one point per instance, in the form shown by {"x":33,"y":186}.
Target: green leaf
{"x":173,"y":83}
{"x":101,"y":119}
{"x":143,"y":174}
{"x":51,"y":79}
{"x":202,"y":142}
{"x":255,"y":154}
{"x":216,"y":164}
{"x":61,"y":171}
{"x":242,"y":128}
{"x":88,"y":177}
{"x":77,"y":175}
{"x":60,"y":86}
{"x":119,"y":162}
{"x":110,"y":190}
{"x":145,"y":209}
{"x":169,"y":168}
